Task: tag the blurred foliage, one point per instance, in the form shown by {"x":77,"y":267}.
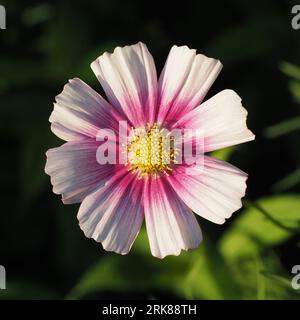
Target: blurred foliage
{"x":43,"y":249}
{"x":288,"y":126}
{"x":267,"y":223}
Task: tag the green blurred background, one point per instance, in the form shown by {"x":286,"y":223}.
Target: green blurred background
{"x":250,"y":257}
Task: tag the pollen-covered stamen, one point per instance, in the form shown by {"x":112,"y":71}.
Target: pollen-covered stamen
{"x":150,"y":151}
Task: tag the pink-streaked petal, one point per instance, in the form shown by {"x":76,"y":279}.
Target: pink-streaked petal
{"x":213,"y":191}
{"x":171,"y":225}
{"x":184,"y":82}
{"x":114,"y":214}
{"x":221,"y":120}
{"x":128,"y":77}
{"x":79,"y":112}
{"x":74,"y":170}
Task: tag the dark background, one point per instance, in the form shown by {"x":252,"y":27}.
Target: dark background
{"x":44,"y":251}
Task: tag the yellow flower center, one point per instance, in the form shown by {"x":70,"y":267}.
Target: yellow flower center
{"x":150,"y":151}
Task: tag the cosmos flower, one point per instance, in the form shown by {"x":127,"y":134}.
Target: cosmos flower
{"x":116,"y":197}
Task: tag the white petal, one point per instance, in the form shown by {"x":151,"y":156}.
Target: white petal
{"x":80,"y":111}
{"x":128,"y":77}
{"x":221,"y":120}
{"x":171,"y":225}
{"x":213,"y":192}
{"x":184,"y":82}
{"x":74,"y":170}
{"x":113,"y":215}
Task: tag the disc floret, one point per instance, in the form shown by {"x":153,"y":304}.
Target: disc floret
{"x":150,"y":151}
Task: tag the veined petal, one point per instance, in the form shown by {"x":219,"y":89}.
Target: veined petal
{"x":128,"y":77}
{"x":113,"y":215}
{"x":184,"y":82}
{"x":171,"y":225}
{"x":79,"y":112}
{"x":213,"y":191}
{"x":221,"y":120}
{"x":74,"y":170}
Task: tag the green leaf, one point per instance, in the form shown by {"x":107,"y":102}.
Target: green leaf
{"x":282,"y":281}
{"x":209,"y":277}
{"x":294,"y":87}
{"x":290,"y":70}
{"x":254,"y":230}
{"x":288,"y":182}
{"x":111,"y":273}
{"x":197,"y":274}
{"x":248,"y":274}
{"x":223,"y":154}
{"x":118,"y":273}
{"x":282,"y":128}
